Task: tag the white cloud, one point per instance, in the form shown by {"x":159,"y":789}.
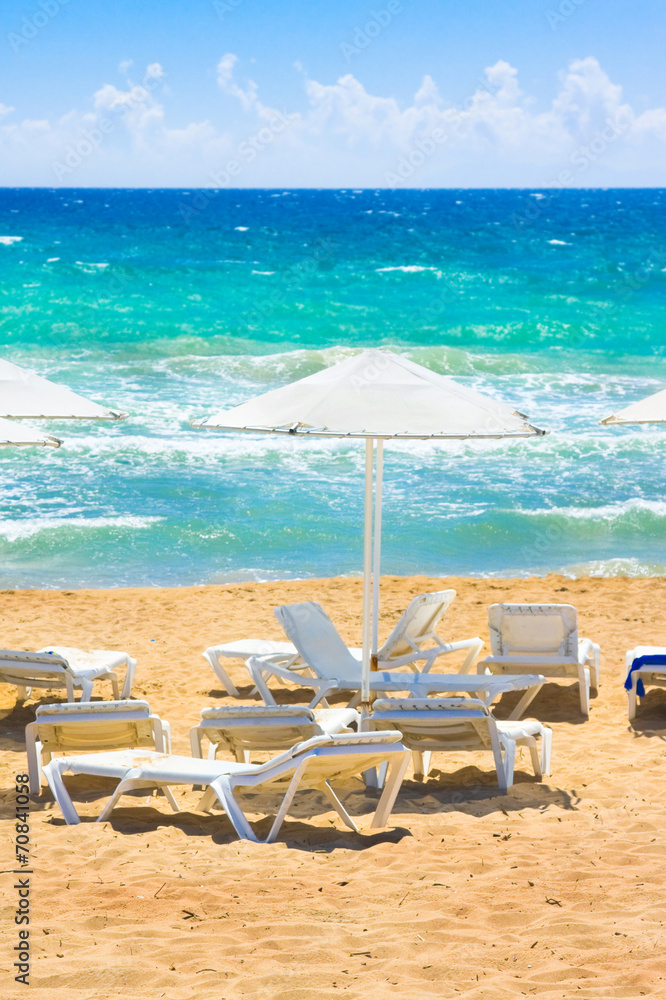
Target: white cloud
{"x":427,"y":92}
{"x":344,"y":135}
{"x":226,"y":82}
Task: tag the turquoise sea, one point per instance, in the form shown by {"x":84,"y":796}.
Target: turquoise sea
{"x":173,"y":304}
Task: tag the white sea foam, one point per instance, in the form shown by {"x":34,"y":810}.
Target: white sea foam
{"x":615,"y":567}
{"x":8,"y":240}
{"x":263,"y":272}
{"x":409,"y":269}
{"x":604,"y":512}
{"x":16,"y":529}
{"x":559,"y":243}
{"x":241,"y":229}
{"x":89,"y":267}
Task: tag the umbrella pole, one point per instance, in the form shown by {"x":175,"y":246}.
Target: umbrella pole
{"x":367,"y":578}
{"x":379,"y":470}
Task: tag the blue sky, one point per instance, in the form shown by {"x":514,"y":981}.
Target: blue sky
{"x":393,"y":93}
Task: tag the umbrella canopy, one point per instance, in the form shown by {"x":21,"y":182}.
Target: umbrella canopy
{"x":11,"y":433}
{"x":651,"y":410}
{"x":25,"y":394}
{"x":375,"y":395}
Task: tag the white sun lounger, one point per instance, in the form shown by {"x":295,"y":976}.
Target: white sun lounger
{"x":61,"y":667}
{"x":249,"y":728}
{"x":414,"y":638}
{"x":415,"y":633}
{"x":243,"y":649}
{"x":435,"y":725}
{"x":333,"y":667}
{"x":542,"y":637}
{"x":91,"y":726}
{"x":313,"y":764}
{"x":649,"y":673}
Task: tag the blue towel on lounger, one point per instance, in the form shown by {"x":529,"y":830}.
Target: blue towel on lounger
{"x":649,"y":660}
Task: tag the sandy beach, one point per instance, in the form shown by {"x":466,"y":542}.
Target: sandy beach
{"x":553,"y":890}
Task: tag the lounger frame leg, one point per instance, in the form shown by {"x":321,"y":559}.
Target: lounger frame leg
{"x":61,"y":795}
{"x":223,"y":789}
{"x":128,"y":785}
{"x":546,"y":749}
{"x":421,"y":760}
{"x":262,"y":687}
{"x":129,"y":678}
{"x":398,"y":764}
{"x":584,"y":689}
{"x":125,"y":785}
{"x":286,"y":802}
{"x":509,"y":764}
{"x":33,"y":750}
{"x":371,"y":778}
{"x":632,"y":702}
{"x":501,"y":763}
{"x":338,"y":806}
{"x":525,"y":702}
{"x":206,"y":801}
{"x":535,"y":756}
{"x":196,"y":744}
{"x":168,"y":795}
{"x":376,"y":776}
{"x":222,"y":675}
{"x":476,"y":645}
{"x":86,"y":690}
{"x":22,"y":694}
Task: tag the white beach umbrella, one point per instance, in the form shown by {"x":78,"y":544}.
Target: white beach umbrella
{"x":651,"y":410}
{"x":23,"y":393}
{"x":376,"y":395}
{"x":19,"y":434}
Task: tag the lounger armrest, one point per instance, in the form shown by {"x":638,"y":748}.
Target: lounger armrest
{"x":164,"y":728}
{"x":430,"y":654}
{"x":406,"y":660}
{"x":587,"y":650}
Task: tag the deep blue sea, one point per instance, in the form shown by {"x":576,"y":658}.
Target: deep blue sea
{"x":173,"y":304}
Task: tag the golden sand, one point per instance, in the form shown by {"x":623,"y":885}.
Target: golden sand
{"x":556,"y":889}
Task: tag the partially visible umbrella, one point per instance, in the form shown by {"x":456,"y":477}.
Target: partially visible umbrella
{"x":19,"y":434}
{"x":651,"y":410}
{"x":375,"y":395}
{"x":23,"y":393}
